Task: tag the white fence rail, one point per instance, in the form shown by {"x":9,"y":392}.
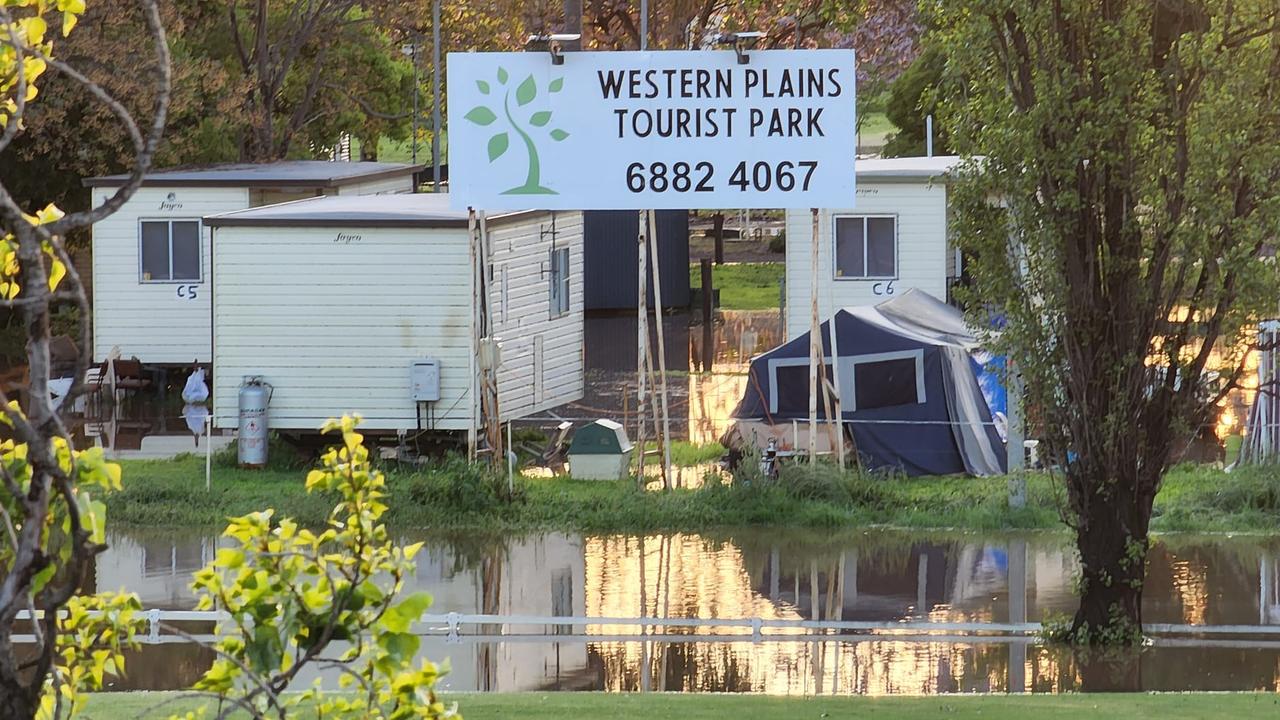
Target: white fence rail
{"x":498,"y":628}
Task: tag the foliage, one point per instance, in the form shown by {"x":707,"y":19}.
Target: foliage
{"x":292,"y":594}
{"x":51,"y":512}
{"x":912,"y":98}
{"x":456,"y":483}
{"x":1141,"y":188}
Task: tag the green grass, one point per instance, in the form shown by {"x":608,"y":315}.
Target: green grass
{"x":454,"y":496}
{"x":744,"y":286}
{"x":650,"y":706}
{"x":875,"y":127}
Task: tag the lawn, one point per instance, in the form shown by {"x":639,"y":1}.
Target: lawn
{"x":651,"y":706}
{"x":744,"y":286}
{"x":451,"y":495}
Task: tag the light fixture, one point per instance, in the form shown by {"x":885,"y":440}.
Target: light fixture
{"x":740,"y":41}
{"x":553,"y":43}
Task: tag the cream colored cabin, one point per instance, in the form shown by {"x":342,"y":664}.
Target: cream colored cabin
{"x":151,"y":259}
{"x":894,"y":237}
{"x":331,"y":300}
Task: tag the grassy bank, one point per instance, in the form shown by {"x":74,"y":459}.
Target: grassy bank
{"x":744,"y":286}
{"x":452,"y":495}
{"x":557,"y":706}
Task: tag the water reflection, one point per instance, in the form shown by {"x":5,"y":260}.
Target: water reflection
{"x":871,"y":576}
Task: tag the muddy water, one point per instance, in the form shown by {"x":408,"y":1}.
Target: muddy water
{"x":880,"y":576}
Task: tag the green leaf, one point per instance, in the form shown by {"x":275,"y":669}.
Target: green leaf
{"x":556,"y":85}
{"x":502,"y":75}
{"x":497,"y":146}
{"x":527,"y":91}
{"x":558,"y":134}
{"x":481,"y":115}
{"x":540,"y":118}
{"x":484,"y":86}
{"x":400,"y":646}
{"x":414,"y":605}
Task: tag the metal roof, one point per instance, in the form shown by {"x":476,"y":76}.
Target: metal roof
{"x":907,"y":169}
{"x":416,"y":210}
{"x":283,"y":174}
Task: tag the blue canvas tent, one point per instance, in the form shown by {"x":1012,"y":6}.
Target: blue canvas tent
{"x":908,"y":383}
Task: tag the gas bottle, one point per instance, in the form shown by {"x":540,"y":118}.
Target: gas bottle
{"x":251,"y":443}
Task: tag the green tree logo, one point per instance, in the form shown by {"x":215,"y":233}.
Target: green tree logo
{"x":498,"y":144}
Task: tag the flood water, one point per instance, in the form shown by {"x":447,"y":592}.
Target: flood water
{"x":873,"y":576}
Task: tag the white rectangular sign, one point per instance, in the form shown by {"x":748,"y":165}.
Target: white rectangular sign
{"x":638,"y":130}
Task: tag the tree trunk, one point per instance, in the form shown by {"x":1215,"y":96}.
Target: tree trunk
{"x":15,"y":698}
{"x":1112,"y":542}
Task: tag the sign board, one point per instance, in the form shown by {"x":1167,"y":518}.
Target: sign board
{"x":652,"y":130}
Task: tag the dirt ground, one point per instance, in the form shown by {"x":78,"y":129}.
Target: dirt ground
{"x":735,"y":250}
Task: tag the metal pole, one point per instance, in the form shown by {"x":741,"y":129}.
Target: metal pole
{"x":662,"y":353}
{"x":413,"y":57}
{"x":642,"y":342}
{"x":474,"y":360}
{"x":928,"y":136}
{"x":435,"y":96}
{"x":815,"y":342}
{"x":208,"y":452}
{"x":644,"y":24}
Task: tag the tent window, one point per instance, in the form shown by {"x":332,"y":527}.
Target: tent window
{"x":169,"y":250}
{"x":866,"y":247}
{"x":792,"y":384}
{"x":886,"y":383}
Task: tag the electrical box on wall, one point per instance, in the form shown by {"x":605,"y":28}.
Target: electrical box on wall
{"x":424,"y":380}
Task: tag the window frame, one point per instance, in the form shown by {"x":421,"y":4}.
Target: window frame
{"x":559,"y":290}
{"x":849,"y":396}
{"x":142,"y":280}
{"x":835,"y":247}
{"x":848,"y":373}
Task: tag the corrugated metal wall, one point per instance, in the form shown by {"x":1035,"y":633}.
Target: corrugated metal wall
{"x":610,"y":262}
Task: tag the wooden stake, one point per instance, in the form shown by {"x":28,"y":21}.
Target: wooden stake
{"x":838,"y":420}
{"x":664,"y":441}
{"x":815,"y":343}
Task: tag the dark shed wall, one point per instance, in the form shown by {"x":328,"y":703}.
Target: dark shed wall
{"x":610,"y":258}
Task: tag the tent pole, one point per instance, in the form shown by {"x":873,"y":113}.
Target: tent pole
{"x":664,"y":441}
{"x":642,"y":342}
{"x":815,"y":343}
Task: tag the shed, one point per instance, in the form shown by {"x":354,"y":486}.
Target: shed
{"x":151,"y":258}
{"x":332,"y":300}
{"x":600,"y":451}
{"x":611,"y":265}
{"x":893,"y":237}
{"x":908,"y":376}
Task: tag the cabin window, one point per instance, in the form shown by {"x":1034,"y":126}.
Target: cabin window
{"x":887,"y":379}
{"x":169,"y":250}
{"x":866,"y":247}
{"x":559,"y":281}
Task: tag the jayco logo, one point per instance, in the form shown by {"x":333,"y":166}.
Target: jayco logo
{"x":523,"y":127}
{"x":170,"y":202}
{"x":347,"y":239}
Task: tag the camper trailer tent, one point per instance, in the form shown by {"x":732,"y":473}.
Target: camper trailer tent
{"x":331,"y":300}
{"x":909,"y":385}
{"x":894,"y":237}
{"x":151,"y":258}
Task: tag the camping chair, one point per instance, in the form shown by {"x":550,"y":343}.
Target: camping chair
{"x":127,"y":376}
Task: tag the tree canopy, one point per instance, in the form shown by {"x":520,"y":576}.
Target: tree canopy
{"x":1121,"y":220}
